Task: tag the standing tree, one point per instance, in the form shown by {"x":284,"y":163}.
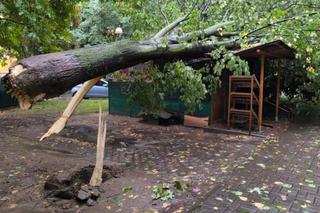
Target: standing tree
{"x":30,"y":27}
{"x":98,"y":21}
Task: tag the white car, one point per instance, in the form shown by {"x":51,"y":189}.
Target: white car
{"x":99,"y":90}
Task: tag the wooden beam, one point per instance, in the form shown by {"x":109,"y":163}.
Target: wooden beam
{"x":269,"y":54}
{"x":278,"y":91}
{"x":262,"y":66}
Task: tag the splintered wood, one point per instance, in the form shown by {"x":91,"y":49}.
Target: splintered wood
{"x":74,"y":102}
{"x":96,"y":178}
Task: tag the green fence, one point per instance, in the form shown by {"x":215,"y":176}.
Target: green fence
{"x":118,"y":103}
{"x":5,"y":99}
{"x":118,"y":100}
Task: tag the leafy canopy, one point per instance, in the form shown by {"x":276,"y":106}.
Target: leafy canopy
{"x":31,"y":27}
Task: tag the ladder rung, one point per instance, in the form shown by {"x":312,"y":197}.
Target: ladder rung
{"x":240,"y":77}
{"x":241,"y":97}
{"x":241,"y":111}
{"x":243,"y":94}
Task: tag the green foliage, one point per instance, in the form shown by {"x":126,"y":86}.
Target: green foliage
{"x":301,"y":91}
{"x":224,"y":60}
{"x":145,"y":89}
{"x":162,"y":192}
{"x":30,"y":27}
{"x":185,"y":81}
{"x":98,"y":20}
{"x":182,"y":186}
{"x":148,"y":87}
{"x":126,"y":189}
{"x":296,"y":22}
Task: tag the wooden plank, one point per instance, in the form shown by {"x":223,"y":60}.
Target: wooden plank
{"x":260,"y":113}
{"x":278,"y":91}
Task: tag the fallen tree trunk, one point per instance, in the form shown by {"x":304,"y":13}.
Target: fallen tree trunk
{"x":50,"y":75}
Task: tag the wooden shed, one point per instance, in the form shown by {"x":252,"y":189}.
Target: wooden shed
{"x":245,"y":94}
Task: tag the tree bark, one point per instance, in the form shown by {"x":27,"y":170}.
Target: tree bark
{"x":50,"y":75}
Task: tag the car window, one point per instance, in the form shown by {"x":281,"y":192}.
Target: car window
{"x":100,"y":83}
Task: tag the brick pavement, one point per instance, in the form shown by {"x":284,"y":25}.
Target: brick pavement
{"x":281,"y":175}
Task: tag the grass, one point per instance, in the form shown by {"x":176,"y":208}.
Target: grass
{"x":58,"y":106}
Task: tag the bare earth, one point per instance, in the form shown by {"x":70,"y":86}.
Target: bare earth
{"x":227,"y":173}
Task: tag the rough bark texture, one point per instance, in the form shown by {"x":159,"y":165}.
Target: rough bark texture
{"x":49,"y":75}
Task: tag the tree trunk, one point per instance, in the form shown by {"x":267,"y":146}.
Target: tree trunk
{"x":49,"y":75}
{"x":96,"y":178}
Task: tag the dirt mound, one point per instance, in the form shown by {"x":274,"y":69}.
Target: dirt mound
{"x":74,"y":185}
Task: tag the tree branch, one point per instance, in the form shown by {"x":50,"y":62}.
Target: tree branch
{"x":204,"y":33}
{"x":164,"y":15}
{"x":174,"y":24}
{"x":170,"y":27}
{"x":11,"y":20}
{"x":279,"y":22}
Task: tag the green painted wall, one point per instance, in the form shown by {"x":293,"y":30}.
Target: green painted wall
{"x":118,"y":103}
{"x":118,"y":100}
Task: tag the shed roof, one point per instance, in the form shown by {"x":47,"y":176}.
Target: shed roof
{"x":274,"y":49}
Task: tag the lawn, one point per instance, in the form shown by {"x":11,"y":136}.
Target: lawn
{"x":58,"y":105}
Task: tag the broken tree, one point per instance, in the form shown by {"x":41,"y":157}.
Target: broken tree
{"x":96,"y":178}
{"x":49,"y":75}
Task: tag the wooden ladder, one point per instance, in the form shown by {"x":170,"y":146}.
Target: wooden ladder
{"x":242,"y":99}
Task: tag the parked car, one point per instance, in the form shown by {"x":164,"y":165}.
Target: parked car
{"x":99,"y":90}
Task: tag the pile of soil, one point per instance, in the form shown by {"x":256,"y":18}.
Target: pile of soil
{"x":74,"y":186}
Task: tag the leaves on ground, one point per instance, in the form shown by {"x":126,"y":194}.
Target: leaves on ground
{"x":162,"y":192}
{"x":126,"y":189}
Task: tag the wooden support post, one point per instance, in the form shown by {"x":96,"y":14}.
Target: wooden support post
{"x":262,"y":64}
{"x":278,"y":91}
{"x":251,"y":103}
{"x":229,"y":103}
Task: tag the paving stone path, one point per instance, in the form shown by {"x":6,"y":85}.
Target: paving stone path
{"x":226,"y":173}
{"x":281,"y":175}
